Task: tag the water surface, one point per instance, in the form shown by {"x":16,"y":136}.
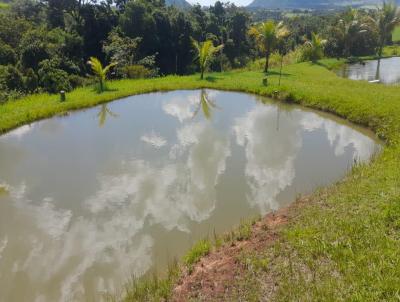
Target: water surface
{"x":387,"y":71}
{"x":91,"y":198}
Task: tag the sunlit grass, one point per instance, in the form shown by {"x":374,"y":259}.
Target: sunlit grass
{"x":4,"y":6}
{"x":396,"y":34}
{"x":199,"y":250}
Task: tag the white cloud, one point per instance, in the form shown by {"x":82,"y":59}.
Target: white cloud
{"x":340,"y":136}
{"x":154,"y":139}
{"x":270,"y":154}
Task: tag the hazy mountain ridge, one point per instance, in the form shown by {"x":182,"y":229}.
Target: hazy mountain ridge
{"x":310,"y":3}
{"x":178,"y":3}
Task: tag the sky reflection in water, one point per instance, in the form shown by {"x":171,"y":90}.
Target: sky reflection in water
{"x":387,"y":71}
{"x":123,"y":188}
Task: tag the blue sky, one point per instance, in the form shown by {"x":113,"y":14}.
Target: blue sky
{"x":210,"y":2}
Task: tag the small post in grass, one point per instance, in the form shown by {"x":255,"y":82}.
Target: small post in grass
{"x":265,"y":81}
{"x":62,"y":96}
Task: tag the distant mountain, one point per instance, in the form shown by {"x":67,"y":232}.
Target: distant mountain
{"x":284,"y":4}
{"x":178,"y":3}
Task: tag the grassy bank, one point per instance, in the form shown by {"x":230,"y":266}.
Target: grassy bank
{"x":344,"y":244}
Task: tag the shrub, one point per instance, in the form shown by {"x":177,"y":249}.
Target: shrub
{"x":7,"y":54}
{"x":12,"y":78}
{"x":31,"y":81}
{"x":53,"y":79}
{"x":76,"y":81}
{"x":136,"y":72}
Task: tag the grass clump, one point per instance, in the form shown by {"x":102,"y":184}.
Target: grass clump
{"x":200,"y":249}
{"x":151,"y":288}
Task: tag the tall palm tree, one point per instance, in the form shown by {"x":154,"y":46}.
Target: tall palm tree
{"x":316,"y":47}
{"x":385,"y":21}
{"x":99,"y":71}
{"x":205,"y":51}
{"x":267,"y":35}
{"x":351,"y":25}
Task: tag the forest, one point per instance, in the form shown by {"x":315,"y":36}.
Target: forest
{"x":45,"y":45}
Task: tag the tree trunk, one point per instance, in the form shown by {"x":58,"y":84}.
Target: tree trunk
{"x":280,"y":72}
{"x":201,"y":74}
{"x":267,"y":54}
{"x":176,"y":63}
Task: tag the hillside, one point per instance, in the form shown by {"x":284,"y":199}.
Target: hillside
{"x":178,"y":3}
{"x":310,"y":3}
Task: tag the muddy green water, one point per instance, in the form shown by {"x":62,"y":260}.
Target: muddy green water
{"x":91,"y":198}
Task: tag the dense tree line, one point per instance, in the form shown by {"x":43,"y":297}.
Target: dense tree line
{"x":45,"y":44}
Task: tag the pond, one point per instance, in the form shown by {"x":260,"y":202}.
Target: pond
{"x":121,"y":189}
{"x":386,"y":71}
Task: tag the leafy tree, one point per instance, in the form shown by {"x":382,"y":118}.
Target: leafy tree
{"x":7,"y":54}
{"x":28,"y":9}
{"x":205,"y":51}
{"x":31,"y":81}
{"x":267,"y":35}
{"x":121,"y":49}
{"x":100,"y":72}
{"x":53,"y":79}
{"x":13,"y":78}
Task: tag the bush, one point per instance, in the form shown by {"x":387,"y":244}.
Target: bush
{"x":53,"y":80}
{"x":136,"y":72}
{"x":31,"y":81}
{"x":7,"y":54}
{"x":76,"y":81}
{"x":12,"y":78}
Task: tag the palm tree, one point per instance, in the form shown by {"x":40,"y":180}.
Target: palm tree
{"x":205,"y":51}
{"x":349,"y":27}
{"x":267,"y":35}
{"x":316,"y":47}
{"x":99,"y":71}
{"x":385,"y":21}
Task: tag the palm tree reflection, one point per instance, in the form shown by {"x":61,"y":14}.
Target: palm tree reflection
{"x":103,"y":113}
{"x":206,"y":105}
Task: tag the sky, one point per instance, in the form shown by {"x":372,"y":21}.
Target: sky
{"x":211,"y":2}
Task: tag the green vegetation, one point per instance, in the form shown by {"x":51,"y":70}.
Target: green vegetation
{"x":200,"y":249}
{"x":267,"y":36}
{"x":384,"y":23}
{"x":150,"y":288}
{"x":396,"y":34}
{"x":205,"y":52}
{"x":4,"y":6}
{"x":45,"y":44}
{"x":100,"y":72}
{"x":314,"y":49}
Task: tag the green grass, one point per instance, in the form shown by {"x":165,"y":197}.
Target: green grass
{"x":200,"y":249}
{"x":4,"y":6}
{"x":396,"y":34}
{"x":345,"y":244}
